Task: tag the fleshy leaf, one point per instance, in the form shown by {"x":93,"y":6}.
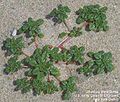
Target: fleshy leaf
{"x":95,"y":15}
{"x":31,"y":28}
{"x":13,"y":45}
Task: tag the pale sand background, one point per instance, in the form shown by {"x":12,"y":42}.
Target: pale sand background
{"x":14,"y":12}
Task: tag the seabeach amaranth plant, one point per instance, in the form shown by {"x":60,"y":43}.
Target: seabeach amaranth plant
{"x":42,"y":75}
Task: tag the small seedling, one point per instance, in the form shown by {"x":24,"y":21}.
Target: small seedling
{"x":42,"y":75}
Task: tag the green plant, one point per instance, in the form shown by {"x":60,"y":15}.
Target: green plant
{"x":101,"y":63}
{"x":13,"y":45}
{"x":68,"y":87}
{"x":59,"y":14}
{"x":75,"y":32}
{"x":40,"y":65}
{"x":44,"y":87}
{"x":95,"y":15}
{"x":13,"y":65}
{"x":23,"y":85}
{"x":74,"y":54}
{"x":42,"y":75}
{"x":31,"y":27}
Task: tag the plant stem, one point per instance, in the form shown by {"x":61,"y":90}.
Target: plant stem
{"x":66,"y":26}
{"x":24,"y":66}
{"x":27,"y":55}
{"x":48,"y":77}
{"x":36,"y":41}
{"x":84,"y":24}
{"x":60,"y":45}
{"x":57,"y":79}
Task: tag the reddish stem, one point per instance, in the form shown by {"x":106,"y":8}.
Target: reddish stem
{"x":68,"y":38}
{"x":48,"y":77}
{"x":36,"y":41}
{"x":84,"y":24}
{"x":26,"y":54}
{"x":58,"y":79}
{"x":64,"y":41}
{"x":25,"y":66}
{"x":66,"y":26}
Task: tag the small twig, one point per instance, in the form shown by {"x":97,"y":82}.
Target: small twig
{"x":60,"y":45}
{"x":48,"y":77}
{"x":26,"y":54}
{"x":36,"y":41}
{"x":84,"y":24}
{"x":58,"y":79}
{"x":24,"y":66}
{"x":66,"y":26}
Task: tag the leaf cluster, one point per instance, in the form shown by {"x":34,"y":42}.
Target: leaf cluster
{"x":44,"y":87}
{"x":13,"y":45}
{"x":60,"y":13}
{"x":41,"y":66}
{"x":22,"y":84}
{"x":95,"y":15}
{"x":41,"y":71}
{"x":101,"y":63}
{"x":13,"y":65}
{"x":68,"y":87}
{"x":74,"y":54}
{"x":75,"y":32}
{"x":31,"y":28}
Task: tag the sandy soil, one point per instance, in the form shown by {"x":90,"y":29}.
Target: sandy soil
{"x":14,"y":12}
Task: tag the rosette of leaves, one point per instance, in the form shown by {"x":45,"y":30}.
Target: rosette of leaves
{"x":23,"y":84}
{"x":55,"y":55}
{"x":101,"y":63}
{"x":66,"y":56}
{"x":59,"y":14}
{"x":68,"y":87}
{"x":13,"y":45}
{"x":87,"y":69}
{"x":44,"y":87}
{"x":75,"y":32}
{"x":95,"y":15}
{"x":77,"y":54}
{"x":31,"y":28}
{"x":13,"y":65}
{"x":74,"y":54}
{"x":40,"y":64}
{"x":41,"y":67}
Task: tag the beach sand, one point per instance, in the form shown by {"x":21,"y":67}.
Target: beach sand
{"x":12,"y":15}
